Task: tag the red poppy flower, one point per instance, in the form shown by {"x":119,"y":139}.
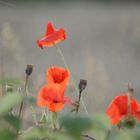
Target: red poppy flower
{"x":118,"y":109}
{"x":52,"y":36}
{"x":58,"y":76}
{"x":52,"y":94}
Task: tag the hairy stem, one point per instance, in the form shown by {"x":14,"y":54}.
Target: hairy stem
{"x":72,"y":79}
{"x":129,"y":94}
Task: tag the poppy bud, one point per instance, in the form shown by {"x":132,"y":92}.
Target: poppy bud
{"x":82,"y":85}
{"x":130,"y":89}
{"x":29,"y":70}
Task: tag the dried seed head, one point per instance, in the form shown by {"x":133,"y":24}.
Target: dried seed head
{"x":82,"y":85}
{"x":130,"y":89}
{"x":29,"y":70}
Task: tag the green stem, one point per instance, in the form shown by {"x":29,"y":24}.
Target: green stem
{"x":54,"y":119}
{"x":79,"y":98}
{"x":22,"y":103}
{"x":129,"y":94}
{"x":89,"y":137}
{"x":2,"y":77}
{"x":21,"y":106}
{"x":72,"y":79}
{"x":34,"y":115}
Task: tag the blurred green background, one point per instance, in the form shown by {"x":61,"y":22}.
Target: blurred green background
{"x":102,"y":45}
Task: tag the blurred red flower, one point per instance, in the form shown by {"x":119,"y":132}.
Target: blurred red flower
{"x":58,"y":76}
{"x":118,"y":109}
{"x":52,"y":36}
{"x":52,"y":94}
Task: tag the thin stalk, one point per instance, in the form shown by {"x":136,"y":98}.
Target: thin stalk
{"x":25,"y":87}
{"x":43,"y":114}
{"x":129,"y":94}
{"x":129,"y":104}
{"x":79,"y":98}
{"x":89,"y":137}
{"x":2,"y":77}
{"x":54,"y":119}
{"x":34,"y":115}
{"x":107,"y":134}
{"x":72,"y":79}
{"x":22,"y":103}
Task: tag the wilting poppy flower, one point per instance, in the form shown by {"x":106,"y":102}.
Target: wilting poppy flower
{"x":118,"y":109}
{"x":51,"y":36}
{"x":52,"y":94}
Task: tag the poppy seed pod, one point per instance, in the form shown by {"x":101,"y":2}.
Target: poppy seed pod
{"x":82,"y":85}
{"x":29,"y":70}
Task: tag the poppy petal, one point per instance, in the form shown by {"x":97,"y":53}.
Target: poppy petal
{"x":55,"y":107}
{"x":49,"y":29}
{"x":50,"y":93}
{"x":137,"y":115}
{"x":113,"y":113}
{"x":68,"y":101}
{"x":40,"y":44}
{"x":57,"y":75}
{"x":119,"y":108}
{"x":54,"y":92}
{"x":52,"y":36}
{"x":41,"y":101}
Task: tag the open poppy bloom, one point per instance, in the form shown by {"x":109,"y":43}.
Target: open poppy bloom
{"x":58,"y":76}
{"x":118,"y":109}
{"x":52,"y":94}
{"x":51,"y":36}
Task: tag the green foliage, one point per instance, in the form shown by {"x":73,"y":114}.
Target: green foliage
{"x":42,"y":133}
{"x":13,"y":121}
{"x":30,"y":100}
{"x":6,"y":134}
{"x":10,"y":81}
{"x":127,"y":123}
{"x":101,"y":126}
{"x":75,"y":125}
{"x":9,"y":122}
{"x":8,"y":102}
{"x":135,"y":134}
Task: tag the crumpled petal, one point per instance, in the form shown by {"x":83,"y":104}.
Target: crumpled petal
{"x":52,"y":36}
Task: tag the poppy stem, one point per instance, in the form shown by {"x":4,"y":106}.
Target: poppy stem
{"x":28,"y":71}
{"x":34,"y":115}
{"x":79,"y":98}
{"x":2,"y":77}
{"x":130,"y":93}
{"x":54,"y":119}
{"x":22,"y":103}
{"x":25,"y":87}
{"x":89,"y":137}
{"x":72,"y":79}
